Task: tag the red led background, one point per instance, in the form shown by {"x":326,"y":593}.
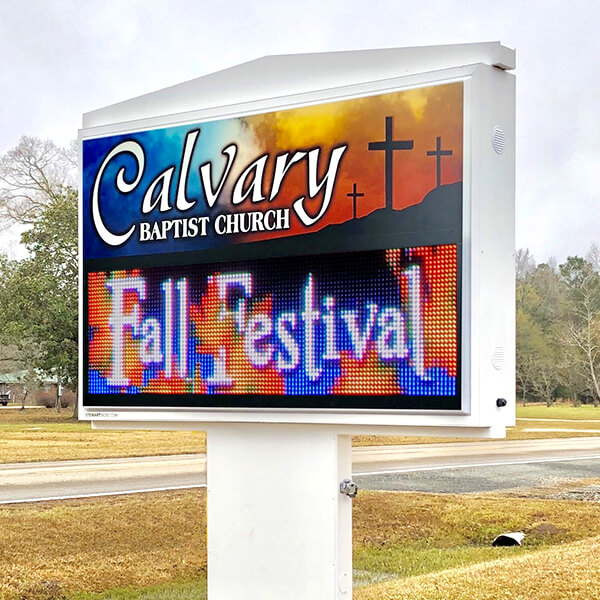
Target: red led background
{"x":376,"y":323}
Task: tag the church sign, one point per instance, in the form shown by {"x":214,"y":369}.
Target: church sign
{"x":306,"y":258}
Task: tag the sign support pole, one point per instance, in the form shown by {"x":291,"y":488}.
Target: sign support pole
{"x":278,"y":526}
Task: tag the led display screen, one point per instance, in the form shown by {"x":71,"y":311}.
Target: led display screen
{"x":275,"y":175}
{"x":372,"y":323}
{"x":302,"y":258}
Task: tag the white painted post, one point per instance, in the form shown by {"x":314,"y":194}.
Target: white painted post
{"x":278,"y":526}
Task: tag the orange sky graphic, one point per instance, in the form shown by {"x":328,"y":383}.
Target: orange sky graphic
{"x":420,"y":115}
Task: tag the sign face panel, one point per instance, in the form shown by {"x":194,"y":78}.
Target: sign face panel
{"x":304,"y":258}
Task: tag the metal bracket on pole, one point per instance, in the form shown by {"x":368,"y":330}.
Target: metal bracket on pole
{"x":348,"y":488}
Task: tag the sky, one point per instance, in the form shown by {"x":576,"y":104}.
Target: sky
{"x":66,"y":57}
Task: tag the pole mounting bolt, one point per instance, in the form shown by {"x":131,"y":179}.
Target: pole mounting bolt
{"x":348,"y":488}
{"x":501,"y":402}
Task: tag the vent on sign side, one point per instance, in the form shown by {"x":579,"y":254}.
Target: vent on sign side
{"x":498,"y":140}
{"x":498,"y":357}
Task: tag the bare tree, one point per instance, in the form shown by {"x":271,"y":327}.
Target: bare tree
{"x":593,"y":257}
{"x":583,"y":323}
{"x":524,"y":375}
{"x":524,"y":264}
{"x":33,"y":174}
{"x":584,"y":335}
{"x":543,"y":378}
{"x":571,"y":377}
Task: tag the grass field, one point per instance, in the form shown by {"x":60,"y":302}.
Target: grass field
{"x":153,"y":547}
{"x":44,"y":435}
{"x":406,"y":546}
{"x":559,"y":411}
{"x":579,"y":421}
{"x":560,"y":573}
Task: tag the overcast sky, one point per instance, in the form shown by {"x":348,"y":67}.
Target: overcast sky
{"x":63,"y":58}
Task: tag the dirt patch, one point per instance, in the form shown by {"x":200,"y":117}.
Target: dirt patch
{"x":583,"y":490}
{"x":544,"y":529}
{"x":587,"y":494}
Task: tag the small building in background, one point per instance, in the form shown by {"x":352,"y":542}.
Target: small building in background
{"x":18,"y":387}
{"x":13,"y":386}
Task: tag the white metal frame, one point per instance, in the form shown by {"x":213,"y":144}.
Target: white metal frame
{"x":487,"y":266}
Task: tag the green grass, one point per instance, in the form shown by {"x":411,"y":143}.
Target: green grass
{"x":400,"y":534}
{"x":192,"y":590}
{"x":370,"y":566}
{"x":558,"y":411}
{"x":556,"y":573}
{"x":379,"y":564}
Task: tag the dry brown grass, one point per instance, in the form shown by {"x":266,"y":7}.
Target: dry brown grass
{"x":559,"y":573}
{"x":102,"y":544}
{"x":35,"y":415}
{"x":143,"y":540}
{"x":44,"y":435}
{"x":395,"y":440}
{"x":447,"y":520}
{"x":39,"y":445}
{"x":451,"y":535}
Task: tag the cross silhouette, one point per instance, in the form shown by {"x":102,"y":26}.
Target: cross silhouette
{"x":389,"y":145}
{"x":354,"y":195}
{"x":438,"y":153}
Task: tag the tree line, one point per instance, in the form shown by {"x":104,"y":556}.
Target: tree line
{"x":558,"y":328}
{"x":557,"y":305}
{"x":39,"y":293}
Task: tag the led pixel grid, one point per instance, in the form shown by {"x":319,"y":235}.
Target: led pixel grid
{"x":380,"y":322}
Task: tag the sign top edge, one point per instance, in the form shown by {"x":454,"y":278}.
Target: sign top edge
{"x":278,"y":75}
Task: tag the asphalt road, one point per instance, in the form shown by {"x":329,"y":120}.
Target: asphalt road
{"x":456,"y":467}
{"x":463,"y":480}
{"x":31,"y":482}
{"x":462,"y":468}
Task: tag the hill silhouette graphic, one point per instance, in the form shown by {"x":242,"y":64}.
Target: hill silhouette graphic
{"x":437,"y":219}
{"x":440,"y":209}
